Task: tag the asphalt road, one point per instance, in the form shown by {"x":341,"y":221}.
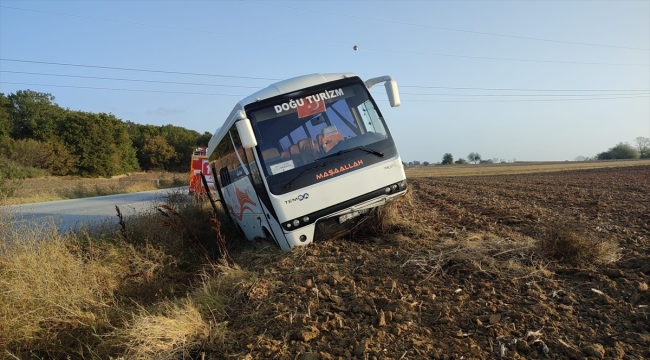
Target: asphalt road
{"x":75,"y":213}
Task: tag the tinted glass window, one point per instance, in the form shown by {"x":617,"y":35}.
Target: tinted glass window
{"x":298,"y":134}
{"x":336,"y":119}
{"x":236,"y":169}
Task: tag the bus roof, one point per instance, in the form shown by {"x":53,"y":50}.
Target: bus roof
{"x":293,"y":84}
{"x":278,"y":88}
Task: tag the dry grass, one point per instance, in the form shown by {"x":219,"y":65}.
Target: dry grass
{"x":68,"y":187}
{"x":174,"y":333}
{"x":180,"y":329}
{"x":483,"y":253}
{"x":570,"y":244}
{"x":440,"y":254}
{"x":49,"y":293}
{"x":516,"y":168}
{"x":396,"y":218}
{"x":140,"y":292}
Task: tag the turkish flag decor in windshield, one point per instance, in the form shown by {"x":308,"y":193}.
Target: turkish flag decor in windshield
{"x":311,"y":107}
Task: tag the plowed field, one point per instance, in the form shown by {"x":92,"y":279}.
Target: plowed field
{"x":536,"y":266}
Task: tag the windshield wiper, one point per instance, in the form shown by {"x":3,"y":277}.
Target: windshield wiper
{"x":366,"y":149}
{"x":288,"y":185}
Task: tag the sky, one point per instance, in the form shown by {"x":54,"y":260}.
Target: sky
{"x":524,"y":80}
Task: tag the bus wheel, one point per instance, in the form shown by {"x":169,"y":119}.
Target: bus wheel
{"x":270,"y":237}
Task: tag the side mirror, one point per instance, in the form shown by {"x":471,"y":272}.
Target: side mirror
{"x":391,"y":88}
{"x":245,"y":131}
{"x":393,"y":93}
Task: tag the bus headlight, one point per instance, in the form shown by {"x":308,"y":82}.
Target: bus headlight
{"x":298,"y":223}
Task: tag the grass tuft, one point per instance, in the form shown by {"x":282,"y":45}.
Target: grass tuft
{"x":478,"y":253}
{"x":174,"y":332}
{"x":573,"y":245}
{"x":394,"y":218}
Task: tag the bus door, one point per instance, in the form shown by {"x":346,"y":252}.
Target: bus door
{"x":247,"y":207}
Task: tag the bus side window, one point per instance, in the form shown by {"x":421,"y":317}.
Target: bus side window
{"x":371,"y":118}
{"x":237,"y":169}
{"x":225,"y":176}
{"x":255,"y":172}
{"x":285,"y":143}
{"x":216,"y":176}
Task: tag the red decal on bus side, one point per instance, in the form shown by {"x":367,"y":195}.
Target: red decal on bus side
{"x":244,"y":200}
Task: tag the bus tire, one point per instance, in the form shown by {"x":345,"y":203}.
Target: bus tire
{"x":270,"y":237}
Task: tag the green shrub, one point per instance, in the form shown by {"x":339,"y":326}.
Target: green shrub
{"x":447,"y":159}
{"x":12,"y":174}
{"x":620,"y":151}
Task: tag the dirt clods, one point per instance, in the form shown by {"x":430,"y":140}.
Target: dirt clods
{"x":534,"y":266}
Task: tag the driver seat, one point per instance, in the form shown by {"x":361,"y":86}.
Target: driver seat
{"x":331,"y":137}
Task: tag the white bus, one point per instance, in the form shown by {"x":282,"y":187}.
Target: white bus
{"x":306,"y":159}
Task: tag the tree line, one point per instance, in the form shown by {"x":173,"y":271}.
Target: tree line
{"x":37,"y":136}
{"x":448,"y":159}
{"x":640,"y":150}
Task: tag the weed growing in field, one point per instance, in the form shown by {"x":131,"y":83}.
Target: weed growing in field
{"x":570,"y":244}
{"x":395,"y":218}
{"x":171,"y":332}
{"x":479,"y":253}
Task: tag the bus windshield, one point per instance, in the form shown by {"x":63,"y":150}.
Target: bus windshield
{"x":309,"y":126}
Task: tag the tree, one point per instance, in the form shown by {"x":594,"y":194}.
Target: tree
{"x":99,"y":142}
{"x":643,"y":146}
{"x":52,"y":155}
{"x":33,"y":115}
{"x":460,"y":161}
{"x":204,"y":139}
{"x":157,"y":151}
{"x":447,"y":159}
{"x":474,"y":157}
{"x":620,"y":151}
{"x":125,"y":154}
{"x":5,"y":124}
{"x":426,"y":163}
{"x":416,"y":163}
{"x":183,"y":141}
{"x":60,"y":161}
